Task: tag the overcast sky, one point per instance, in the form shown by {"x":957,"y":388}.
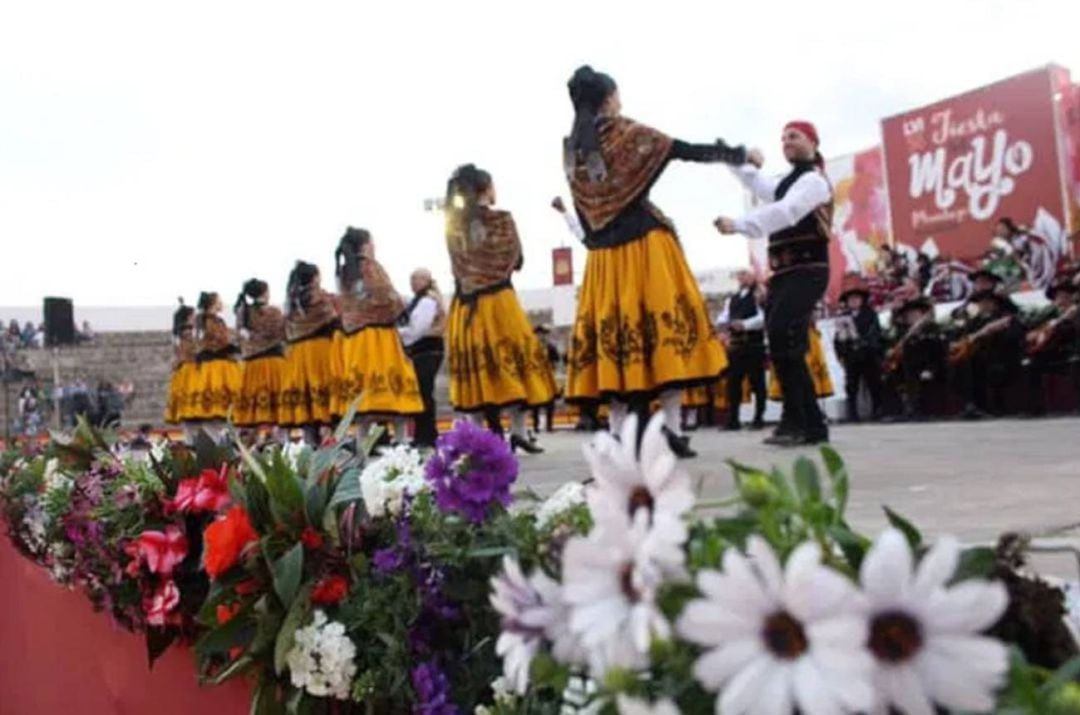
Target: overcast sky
{"x":152,"y":149}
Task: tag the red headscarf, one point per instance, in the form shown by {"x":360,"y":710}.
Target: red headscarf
{"x":801,"y":125}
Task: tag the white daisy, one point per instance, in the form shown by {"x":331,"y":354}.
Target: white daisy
{"x":633,"y":706}
{"x":565,"y":498}
{"x":925,"y":635}
{"x":625,"y":485}
{"x":780,"y":639}
{"x":386,"y":480}
{"x":610,"y":582}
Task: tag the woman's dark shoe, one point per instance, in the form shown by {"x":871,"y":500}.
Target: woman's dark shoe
{"x":526,"y":446}
{"x":679,"y":444}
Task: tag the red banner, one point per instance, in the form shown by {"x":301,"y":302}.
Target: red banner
{"x":956,"y":166}
{"x":562,"y":266}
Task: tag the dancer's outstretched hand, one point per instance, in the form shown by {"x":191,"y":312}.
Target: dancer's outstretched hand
{"x":725,"y":225}
{"x":755,"y":157}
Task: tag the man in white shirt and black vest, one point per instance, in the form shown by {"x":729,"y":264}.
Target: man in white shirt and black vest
{"x":744,"y":322}
{"x":422,"y":326}
{"x":795,"y":214}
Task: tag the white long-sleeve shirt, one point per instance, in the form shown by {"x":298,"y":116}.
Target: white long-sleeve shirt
{"x":754,"y":322}
{"x":804,"y":196}
{"x":420,"y":321}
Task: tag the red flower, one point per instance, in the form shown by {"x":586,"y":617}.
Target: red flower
{"x":184,"y":501}
{"x":225,"y":540}
{"x":246,"y":588}
{"x":212,"y":491}
{"x":225,"y":613}
{"x":311,"y":538}
{"x":163,"y":551}
{"x":330,"y":591}
{"x":159,"y":607}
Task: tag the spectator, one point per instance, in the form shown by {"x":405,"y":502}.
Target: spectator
{"x":110,"y":406}
{"x":13,"y":335}
{"x":29,"y":335}
{"x":86,"y":334}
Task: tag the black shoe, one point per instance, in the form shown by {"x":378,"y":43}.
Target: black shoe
{"x":757,"y":424}
{"x":524,"y":445}
{"x":732,"y":427}
{"x":786,"y":439}
{"x":822,"y":438}
{"x":680,"y":445}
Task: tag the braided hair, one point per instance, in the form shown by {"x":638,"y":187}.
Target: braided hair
{"x":589,"y":90}
{"x":299,"y":289}
{"x":467,"y":184}
{"x":206,"y":301}
{"x":180,"y":318}
{"x":348,"y":258}
{"x":252,"y":291}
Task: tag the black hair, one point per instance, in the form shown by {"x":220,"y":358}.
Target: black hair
{"x":1008,"y":223}
{"x":252,"y":290}
{"x":589,"y":90}
{"x":348,"y":256}
{"x":180,"y":318}
{"x":462,"y":208}
{"x":299,"y":288}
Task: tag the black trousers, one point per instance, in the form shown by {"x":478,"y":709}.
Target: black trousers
{"x":427,"y":366}
{"x":792,"y":298}
{"x":746,"y":363}
{"x":549,"y":412}
{"x":860,"y":369}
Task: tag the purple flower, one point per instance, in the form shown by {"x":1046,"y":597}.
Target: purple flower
{"x":386,"y":561}
{"x":471,"y":469}
{"x":432,"y":691}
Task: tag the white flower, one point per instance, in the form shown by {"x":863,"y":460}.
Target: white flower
{"x":35,"y":523}
{"x":385,"y":480}
{"x":610,"y":582}
{"x":321,"y":660}
{"x":653,"y":485}
{"x":532,"y":610}
{"x":54,"y":478}
{"x":564,"y":499}
{"x":924,"y":634}
{"x":633,"y":706}
{"x":780,"y":639}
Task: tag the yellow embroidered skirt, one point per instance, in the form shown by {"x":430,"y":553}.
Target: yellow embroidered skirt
{"x":642,"y":326}
{"x":215,"y":386}
{"x":177,"y":408}
{"x":377,"y":370}
{"x":312,"y":370}
{"x":495,"y":358}
{"x":819,"y":370}
{"x":260,"y":391}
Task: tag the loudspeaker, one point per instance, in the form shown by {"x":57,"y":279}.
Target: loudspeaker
{"x":59,"y":322}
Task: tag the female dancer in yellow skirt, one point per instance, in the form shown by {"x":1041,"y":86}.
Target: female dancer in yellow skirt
{"x":216,"y":385}
{"x":816,"y":363}
{"x":642,"y":329}
{"x":496,"y":361}
{"x":312,"y":365}
{"x":375,"y":367}
{"x":262,"y":331}
{"x":178,"y":407}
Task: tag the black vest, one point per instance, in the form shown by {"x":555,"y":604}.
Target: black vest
{"x":806,"y":244}
{"x":744,"y":307}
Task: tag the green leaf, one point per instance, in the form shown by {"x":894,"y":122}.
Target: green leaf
{"x":267,"y":625}
{"x":976,"y":562}
{"x":207,"y":453}
{"x":287,"y":572}
{"x":807,"y":481}
{"x":851,"y":544}
{"x":286,"y":495}
{"x":486,"y":552}
{"x":237,"y":632}
{"x":342,"y":429}
{"x":1067,"y":673}
{"x":257,"y":504}
{"x":371,"y":439}
{"x":264,"y":701}
{"x":913,"y":536}
{"x":235,"y":668}
{"x":286,"y":637}
{"x":315,"y":504}
{"x":348,"y":489}
{"x":838,"y":476}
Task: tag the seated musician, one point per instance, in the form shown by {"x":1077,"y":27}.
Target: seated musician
{"x":987,"y":357}
{"x":920,"y":355}
{"x":1054,"y":346}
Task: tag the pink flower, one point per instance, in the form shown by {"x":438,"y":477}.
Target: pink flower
{"x":132,"y":550}
{"x":162,"y":551}
{"x":207,"y":492}
{"x":159,"y":607}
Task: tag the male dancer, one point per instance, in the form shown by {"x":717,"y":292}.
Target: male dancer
{"x":745,"y":324}
{"x":796,"y":215}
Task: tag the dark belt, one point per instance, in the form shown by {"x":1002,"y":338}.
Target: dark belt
{"x":425,"y":346}
{"x":798,"y":252}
